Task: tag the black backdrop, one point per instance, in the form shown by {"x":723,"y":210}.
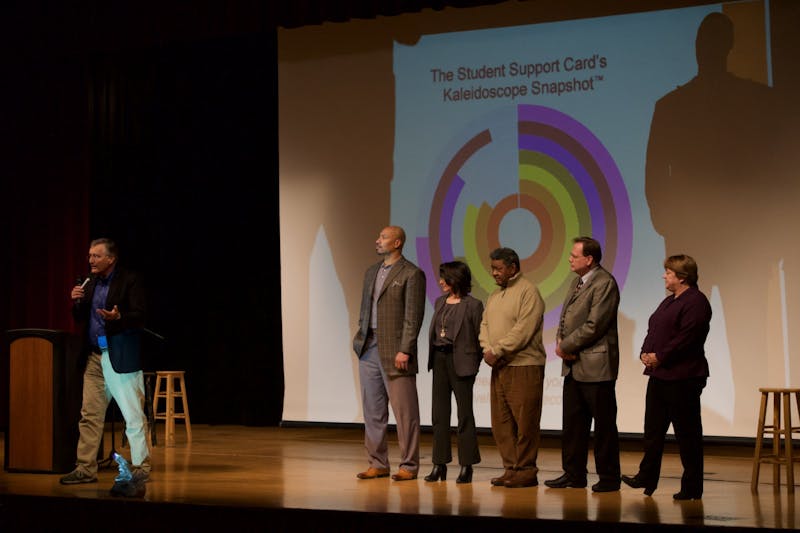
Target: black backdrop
{"x":185,"y":136}
{"x":180,"y":157}
{"x":170,"y":148}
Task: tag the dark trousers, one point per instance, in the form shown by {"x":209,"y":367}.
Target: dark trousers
{"x":677,"y":403}
{"x":582,"y":402}
{"x":445,"y":382}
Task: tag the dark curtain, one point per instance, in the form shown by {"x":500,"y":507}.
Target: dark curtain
{"x":172,"y":151}
{"x":44,"y":191}
{"x":43,"y":196}
{"x":185,"y":178}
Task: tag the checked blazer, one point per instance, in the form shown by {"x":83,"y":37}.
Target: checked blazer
{"x":401,"y":306}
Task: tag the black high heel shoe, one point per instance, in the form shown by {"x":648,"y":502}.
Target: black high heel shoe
{"x":465,"y":476}
{"x":438,"y":472}
{"x":637,"y":483}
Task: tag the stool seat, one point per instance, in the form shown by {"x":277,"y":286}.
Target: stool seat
{"x":781,"y":426}
{"x":174,"y":388}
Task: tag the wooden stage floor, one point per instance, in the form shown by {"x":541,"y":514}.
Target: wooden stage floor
{"x":301,"y":478}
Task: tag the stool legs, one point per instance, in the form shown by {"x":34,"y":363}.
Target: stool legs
{"x":781,"y":427}
{"x":170,"y":420}
{"x":787,"y":428}
{"x":149,"y":411}
{"x":170,"y":395}
{"x":762,"y":415}
{"x":776,"y":439}
{"x":186,"y":411}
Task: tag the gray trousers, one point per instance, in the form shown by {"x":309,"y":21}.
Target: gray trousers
{"x":377,"y":392}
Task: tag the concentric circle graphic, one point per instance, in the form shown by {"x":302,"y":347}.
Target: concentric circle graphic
{"x":567,"y":181}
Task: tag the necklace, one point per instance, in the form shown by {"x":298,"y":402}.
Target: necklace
{"x":444,"y":315}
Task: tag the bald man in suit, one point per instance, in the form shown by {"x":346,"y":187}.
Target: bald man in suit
{"x":392,"y":308}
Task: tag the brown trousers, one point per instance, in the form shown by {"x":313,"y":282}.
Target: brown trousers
{"x":516,"y":405}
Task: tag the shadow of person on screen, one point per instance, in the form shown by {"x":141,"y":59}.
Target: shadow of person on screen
{"x":712,"y":190}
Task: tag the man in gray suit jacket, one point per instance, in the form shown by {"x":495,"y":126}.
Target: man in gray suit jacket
{"x":588,"y":345}
{"x":392,"y":307}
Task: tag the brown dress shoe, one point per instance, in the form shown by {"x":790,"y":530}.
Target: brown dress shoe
{"x":403,"y":475}
{"x":372,"y":473}
{"x":522,"y":478}
{"x":501,"y":481}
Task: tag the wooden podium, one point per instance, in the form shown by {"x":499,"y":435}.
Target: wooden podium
{"x":44,"y":396}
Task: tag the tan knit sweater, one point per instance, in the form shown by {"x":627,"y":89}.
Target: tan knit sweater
{"x":512,"y":323}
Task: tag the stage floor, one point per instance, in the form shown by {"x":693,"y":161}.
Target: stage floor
{"x":314,"y":469}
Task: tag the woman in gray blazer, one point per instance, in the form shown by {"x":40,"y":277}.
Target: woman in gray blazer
{"x":454,"y":356}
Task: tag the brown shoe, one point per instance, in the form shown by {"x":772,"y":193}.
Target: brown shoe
{"x":522,"y":478}
{"x":501,"y":481}
{"x":372,"y":473}
{"x":403,"y":475}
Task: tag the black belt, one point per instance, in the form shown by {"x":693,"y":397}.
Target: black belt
{"x":447,"y":348}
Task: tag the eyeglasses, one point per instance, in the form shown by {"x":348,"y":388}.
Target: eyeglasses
{"x":95,"y":256}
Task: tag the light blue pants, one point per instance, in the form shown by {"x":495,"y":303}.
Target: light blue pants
{"x":100,"y":384}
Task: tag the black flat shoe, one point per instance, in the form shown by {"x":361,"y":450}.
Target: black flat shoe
{"x":438,"y":472}
{"x":638,"y":483}
{"x":465,"y":476}
{"x":605,"y":485}
{"x":686,"y":496}
{"x":565,"y":481}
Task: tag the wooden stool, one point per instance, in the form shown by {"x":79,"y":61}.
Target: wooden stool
{"x":777,"y":457}
{"x":170,"y":395}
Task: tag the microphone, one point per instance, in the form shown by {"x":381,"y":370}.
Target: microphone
{"x":82,"y":284}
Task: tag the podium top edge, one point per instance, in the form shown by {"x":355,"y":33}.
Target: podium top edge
{"x":13,"y":334}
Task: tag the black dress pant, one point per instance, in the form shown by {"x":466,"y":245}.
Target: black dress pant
{"x":582,"y":402}
{"x":678,"y":403}
{"x":445,"y":383}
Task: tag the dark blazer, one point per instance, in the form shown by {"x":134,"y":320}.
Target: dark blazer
{"x":401,"y":306}
{"x":124,"y":335}
{"x":590,"y":328}
{"x":467,"y":353}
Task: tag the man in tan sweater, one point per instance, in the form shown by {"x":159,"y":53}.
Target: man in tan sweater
{"x":511,"y":338}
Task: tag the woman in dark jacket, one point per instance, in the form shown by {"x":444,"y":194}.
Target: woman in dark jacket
{"x":674,"y":358}
{"x":454,"y":356}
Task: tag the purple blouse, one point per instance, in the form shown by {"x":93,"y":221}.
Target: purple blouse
{"x":676,"y":333}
